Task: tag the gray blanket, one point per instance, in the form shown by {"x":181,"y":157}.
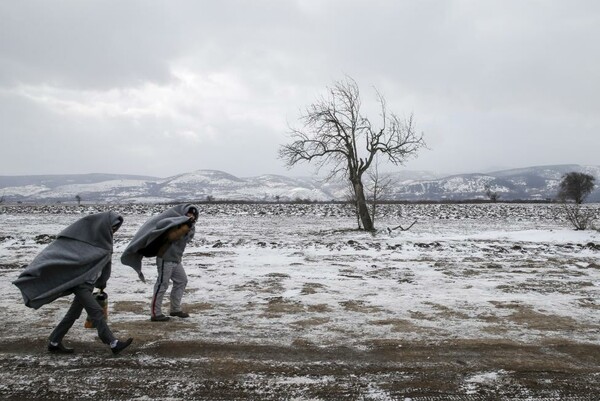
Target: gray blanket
{"x":81,"y":253}
{"x":151,"y":235}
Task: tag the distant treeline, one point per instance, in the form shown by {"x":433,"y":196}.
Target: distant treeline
{"x":299,"y":202}
{"x":382,"y":202}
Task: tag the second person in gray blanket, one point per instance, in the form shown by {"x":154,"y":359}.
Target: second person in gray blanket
{"x":165,"y":237}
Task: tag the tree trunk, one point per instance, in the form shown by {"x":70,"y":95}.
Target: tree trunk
{"x":363,"y":210}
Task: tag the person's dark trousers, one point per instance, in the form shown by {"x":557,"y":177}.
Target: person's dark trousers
{"x":84,"y":299}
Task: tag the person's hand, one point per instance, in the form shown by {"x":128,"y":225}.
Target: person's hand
{"x":141,"y":277}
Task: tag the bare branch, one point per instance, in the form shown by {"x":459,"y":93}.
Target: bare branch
{"x":402,"y":228}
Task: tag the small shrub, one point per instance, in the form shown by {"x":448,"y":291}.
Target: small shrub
{"x":580,"y":218}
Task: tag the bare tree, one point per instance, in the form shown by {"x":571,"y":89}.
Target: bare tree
{"x":335,"y":132}
{"x":492,"y":195}
{"x":576,"y":186}
{"x":378,"y":186}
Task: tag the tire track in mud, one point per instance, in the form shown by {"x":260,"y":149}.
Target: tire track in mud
{"x":382,"y":370}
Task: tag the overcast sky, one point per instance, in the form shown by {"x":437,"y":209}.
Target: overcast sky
{"x":166,"y":87}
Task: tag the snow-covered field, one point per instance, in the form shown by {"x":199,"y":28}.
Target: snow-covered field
{"x":296,"y":276}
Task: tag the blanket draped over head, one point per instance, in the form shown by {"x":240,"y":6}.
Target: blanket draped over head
{"x":78,"y":255}
{"x":152,"y":234}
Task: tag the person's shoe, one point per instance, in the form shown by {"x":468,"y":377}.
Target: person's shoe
{"x":121,"y":345}
{"x":160,"y":318}
{"x":60,"y":349}
{"x":180,"y":314}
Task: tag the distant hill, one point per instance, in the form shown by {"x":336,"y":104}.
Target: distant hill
{"x":53,"y":181}
{"x":531,"y":183}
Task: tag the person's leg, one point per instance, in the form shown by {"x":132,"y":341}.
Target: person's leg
{"x":160,"y":287}
{"x":179,"y":279}
{"x":84,"y":299}
{"x":83,"y":294}
{"x":66,"y":323}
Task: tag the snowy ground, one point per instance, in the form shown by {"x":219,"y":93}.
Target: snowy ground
{"x":290,"y":302}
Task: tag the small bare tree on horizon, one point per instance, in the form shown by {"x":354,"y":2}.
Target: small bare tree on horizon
{"x":379,"y":185}
{"x":492,"y":195}
{"x":577,"y":186}
{"x":335,"y":132}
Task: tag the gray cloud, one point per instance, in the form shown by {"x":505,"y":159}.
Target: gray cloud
{"x":162,"y":88}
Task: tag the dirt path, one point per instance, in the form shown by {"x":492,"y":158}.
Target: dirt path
{"x":387,"y":371}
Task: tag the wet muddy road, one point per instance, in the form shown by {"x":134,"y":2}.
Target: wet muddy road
{"x":461,"y":370}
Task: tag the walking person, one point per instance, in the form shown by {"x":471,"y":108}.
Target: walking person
{"x":78,"y":260}
{"x":164,"y":236}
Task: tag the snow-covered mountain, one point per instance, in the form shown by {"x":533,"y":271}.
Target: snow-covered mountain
{"x":532,"y":183}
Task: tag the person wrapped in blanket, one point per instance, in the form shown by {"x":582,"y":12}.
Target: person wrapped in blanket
{"x":164,"y":236}
{"x":78,"y":260}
